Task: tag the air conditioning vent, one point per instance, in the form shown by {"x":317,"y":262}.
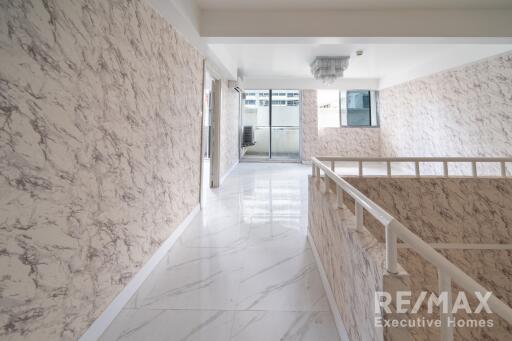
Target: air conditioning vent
{"x":236,"y":85}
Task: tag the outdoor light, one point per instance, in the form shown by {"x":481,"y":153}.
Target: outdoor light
{"x":328,"y":69}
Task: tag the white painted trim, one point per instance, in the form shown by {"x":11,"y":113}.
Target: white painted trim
{"x":228,"y":172}
{"x":356,"y":40}
{"x":342,"y":332}
{"x":103,"y":321}
{"x":462,"y":246}
{"x":310,"y":83}
{"x":455,"y":23}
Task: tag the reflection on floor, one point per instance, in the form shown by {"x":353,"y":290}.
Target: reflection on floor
{"x":243,"y":270}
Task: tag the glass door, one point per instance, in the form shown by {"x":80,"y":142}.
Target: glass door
{"x":285,"y":124}
{"x":256,"y":124}
{"x":271,"y":124}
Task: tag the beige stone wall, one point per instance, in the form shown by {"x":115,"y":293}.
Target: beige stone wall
{"x":334,"y":141}
{"x":466,"y":111}
{"x":229,"y":126}
{"x":446,"y":210}
{"x":353,"y":261}
{"x":100,"y":126}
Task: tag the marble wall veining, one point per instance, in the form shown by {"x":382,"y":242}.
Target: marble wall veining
{"x":466,"y":111}
{"x":100,"y":129}
{"x":334,"y":141}
{"x":229,"y":127}
{"x":445,"y":210}
{"x":353,"y":260}
{"x":450,"y":212}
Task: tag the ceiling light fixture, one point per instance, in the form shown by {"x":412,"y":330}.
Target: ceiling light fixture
{"x":328,"y":69}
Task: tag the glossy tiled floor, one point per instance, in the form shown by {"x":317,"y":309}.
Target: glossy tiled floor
{"x":243,"y":269}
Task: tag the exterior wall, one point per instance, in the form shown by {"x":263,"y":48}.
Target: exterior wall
{"x":100,"y":127}
{"x":461,"y":112}
{"x":229,"y":127}
{"x":334,"y":141}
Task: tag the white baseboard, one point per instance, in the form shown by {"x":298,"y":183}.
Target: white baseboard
{"x":342,"y":332}
{"x":228,"y":172}
{"x":103,"y":321}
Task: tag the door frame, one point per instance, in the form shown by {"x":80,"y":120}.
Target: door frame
{"x":215,"y":134}
{"x":209,"y":74}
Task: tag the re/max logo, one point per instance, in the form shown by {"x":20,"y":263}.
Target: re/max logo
{"x":403,"y":302}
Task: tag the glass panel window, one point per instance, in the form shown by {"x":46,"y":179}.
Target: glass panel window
{"x":352,"y":108}
{"x":285,"y":143}
{"x":285,"y":113}
{"x":256,"y":123}
{"x":256,"y":108}
{"x":328,"y":104}
{"x":358,"y":108}
{"x":285,"y":124}
{"x":271,"y":124}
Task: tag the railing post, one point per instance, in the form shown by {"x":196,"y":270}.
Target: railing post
{"x":333,"y":166}
{"x":313,"y":169}
{"x":360,"y":164}
{"x":359,"y":215}
{"x":417,"y":168}
{"x":339,"y":197}
{"x":445,"y":285}
{"x":503,"y":169}
{"x":445,"y":168}
{"x":473,"y":169}
{"x":391,"y":250}
{"x":388,"y":168}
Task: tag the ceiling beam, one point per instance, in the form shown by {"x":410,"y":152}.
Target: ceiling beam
{"x":310,"y":83}
{"x":357,"y":23}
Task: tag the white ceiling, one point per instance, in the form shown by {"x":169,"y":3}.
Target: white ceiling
{"x":350,"y":4}
{"x":390,"y":63}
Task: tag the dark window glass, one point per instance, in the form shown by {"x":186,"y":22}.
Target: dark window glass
{"x":358,"y":108}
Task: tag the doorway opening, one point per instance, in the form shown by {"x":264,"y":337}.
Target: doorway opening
{"x":209,"y":137}
{"x":270,"y":125}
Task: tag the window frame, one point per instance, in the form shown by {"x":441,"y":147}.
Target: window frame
{"x":373,"y":109}
{"x":370,"y":99}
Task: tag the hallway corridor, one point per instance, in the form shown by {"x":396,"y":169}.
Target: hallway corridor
{"x":242,"y":270}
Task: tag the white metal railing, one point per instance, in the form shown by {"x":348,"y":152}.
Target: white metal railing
{"x":394,"y":230}
{"x":445,"y":161}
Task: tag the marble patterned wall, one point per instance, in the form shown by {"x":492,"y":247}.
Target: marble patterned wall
{"x":334,"y":141}
{"x":465,"y":111}
{"x":451,"y":212}
{"x":229,"y":127}
{"x":445,"y":210}
{"x":100,"y":127}
{"x":353,"y":260}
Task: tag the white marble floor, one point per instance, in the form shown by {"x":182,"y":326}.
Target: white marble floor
{"x":243,"y":270}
